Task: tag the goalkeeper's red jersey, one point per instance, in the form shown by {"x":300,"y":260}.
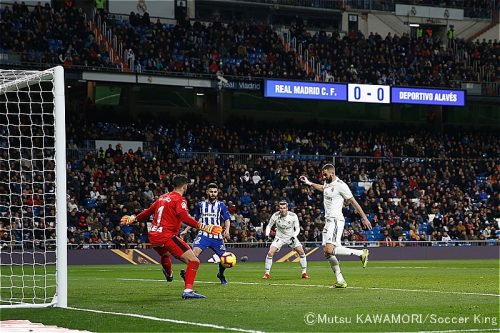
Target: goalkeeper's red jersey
{"x":170,"y":210}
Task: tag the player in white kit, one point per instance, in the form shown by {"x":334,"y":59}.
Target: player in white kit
{"x":335,"y":192}
{"x":287,"y":230}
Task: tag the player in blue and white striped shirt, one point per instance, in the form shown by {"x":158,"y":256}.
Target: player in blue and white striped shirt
{"x":212,"y":212}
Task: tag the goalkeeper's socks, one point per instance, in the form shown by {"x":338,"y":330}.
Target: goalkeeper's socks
{"x":191,"y":269}
{"x":166,"y":264}
{"x":170,"y":277}
{"x":346,"y":251}
{"x":269,"y":263}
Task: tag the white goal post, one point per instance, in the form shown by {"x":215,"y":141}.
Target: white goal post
{"x":33,"y":205}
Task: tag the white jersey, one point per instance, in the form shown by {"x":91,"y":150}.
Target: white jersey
{"x":334,"y":194}
{"x":286,"y":226}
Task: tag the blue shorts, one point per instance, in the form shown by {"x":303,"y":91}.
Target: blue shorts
{"x":217,"y":245}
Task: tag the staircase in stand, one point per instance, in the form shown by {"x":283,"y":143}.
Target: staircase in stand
{"x":104,"y":36}
{"x":494,"y":22}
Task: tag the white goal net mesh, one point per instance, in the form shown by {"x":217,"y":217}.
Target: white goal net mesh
{"x":27,"y":188}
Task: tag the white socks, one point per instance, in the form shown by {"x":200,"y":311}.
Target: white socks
{"x":346,"y":251}
{"x":269,"y":263}
{"x":336,"y":268}
{"x":303,"y":263}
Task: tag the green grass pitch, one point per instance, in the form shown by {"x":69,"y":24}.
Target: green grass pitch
{"x":396,"y":296}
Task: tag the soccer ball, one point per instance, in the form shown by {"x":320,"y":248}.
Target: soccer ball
{"x":228,"y":259}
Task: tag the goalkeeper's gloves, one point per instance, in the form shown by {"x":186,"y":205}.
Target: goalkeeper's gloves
{"x":305,"y":180}
{"x":127,"y":219}
{"x":211,"y":229}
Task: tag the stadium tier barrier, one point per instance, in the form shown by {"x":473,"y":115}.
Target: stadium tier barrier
{"x":256,"y":252}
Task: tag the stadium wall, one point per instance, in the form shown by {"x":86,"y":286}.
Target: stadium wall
{"x":149,"y":256}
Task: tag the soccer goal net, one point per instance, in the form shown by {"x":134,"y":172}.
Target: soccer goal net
{"x":33,"y":232}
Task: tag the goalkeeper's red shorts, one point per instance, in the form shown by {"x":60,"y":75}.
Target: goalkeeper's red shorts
{"x":171,"y":243}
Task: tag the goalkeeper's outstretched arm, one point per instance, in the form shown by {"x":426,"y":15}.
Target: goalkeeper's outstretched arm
{"x":183,"y":216}
{"x":145,"y":214}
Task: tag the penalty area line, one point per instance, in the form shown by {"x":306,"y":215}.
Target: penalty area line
{"x":325,"y":286}
{"x":175,"y":321}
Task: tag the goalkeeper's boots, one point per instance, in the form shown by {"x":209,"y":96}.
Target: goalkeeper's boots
{"x":222,"y":278}
{"x":266,"y":276}
{"x":183,"y":274}
{"x":364,"y":257}
{"x":305,"y":276}
{"x":169,"y":278}
{"x":192,"y":294}
{"x":340,"y":285}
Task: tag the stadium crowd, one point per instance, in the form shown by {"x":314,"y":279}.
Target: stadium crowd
{"x":418,"y":199}
{"x":256,"y":50}
{"x":249,"y":48}
{"x":45,"y":36}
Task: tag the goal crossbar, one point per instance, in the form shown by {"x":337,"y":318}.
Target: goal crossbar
{"x":11,"y":82}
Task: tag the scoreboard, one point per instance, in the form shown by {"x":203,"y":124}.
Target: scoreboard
{"x":364,"y":93}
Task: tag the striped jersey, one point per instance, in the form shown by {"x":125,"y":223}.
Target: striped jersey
{"x":211,"y":213}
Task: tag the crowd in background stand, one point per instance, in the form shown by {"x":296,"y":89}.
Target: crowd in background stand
{"x":446,"y":198}
{"x":45,"y":36}
{"x":246,"y":48}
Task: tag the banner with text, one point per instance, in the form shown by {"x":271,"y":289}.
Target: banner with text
{"x":241,"y":85}
{"x":446,"y":97}
{"x":305,"y":90}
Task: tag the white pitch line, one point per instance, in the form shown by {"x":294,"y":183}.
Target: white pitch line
{"x":429,"y":267}
{"x":175,"y":321}
{"x":446,"y":331}
{"x":324,"y":286}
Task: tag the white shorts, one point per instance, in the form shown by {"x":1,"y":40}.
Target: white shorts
{"x":279,"y":242}
{"x":333,"y":230}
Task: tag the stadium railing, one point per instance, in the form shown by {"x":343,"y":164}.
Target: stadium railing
{"x":27,"y":60}
{"x":250,"y":159}
{"x":18,"y":245}
{"x":245,"y":158}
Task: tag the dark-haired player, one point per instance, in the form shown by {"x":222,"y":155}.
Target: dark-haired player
{"x":211,"y":212}
{"x":170,"y":210}
{"x":335,"y":192}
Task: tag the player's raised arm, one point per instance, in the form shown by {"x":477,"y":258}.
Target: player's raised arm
{"x":360,"y":211}
{"x":306,"y":181}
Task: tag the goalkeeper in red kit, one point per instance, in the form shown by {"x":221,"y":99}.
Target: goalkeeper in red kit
{"x":170,"y":210}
